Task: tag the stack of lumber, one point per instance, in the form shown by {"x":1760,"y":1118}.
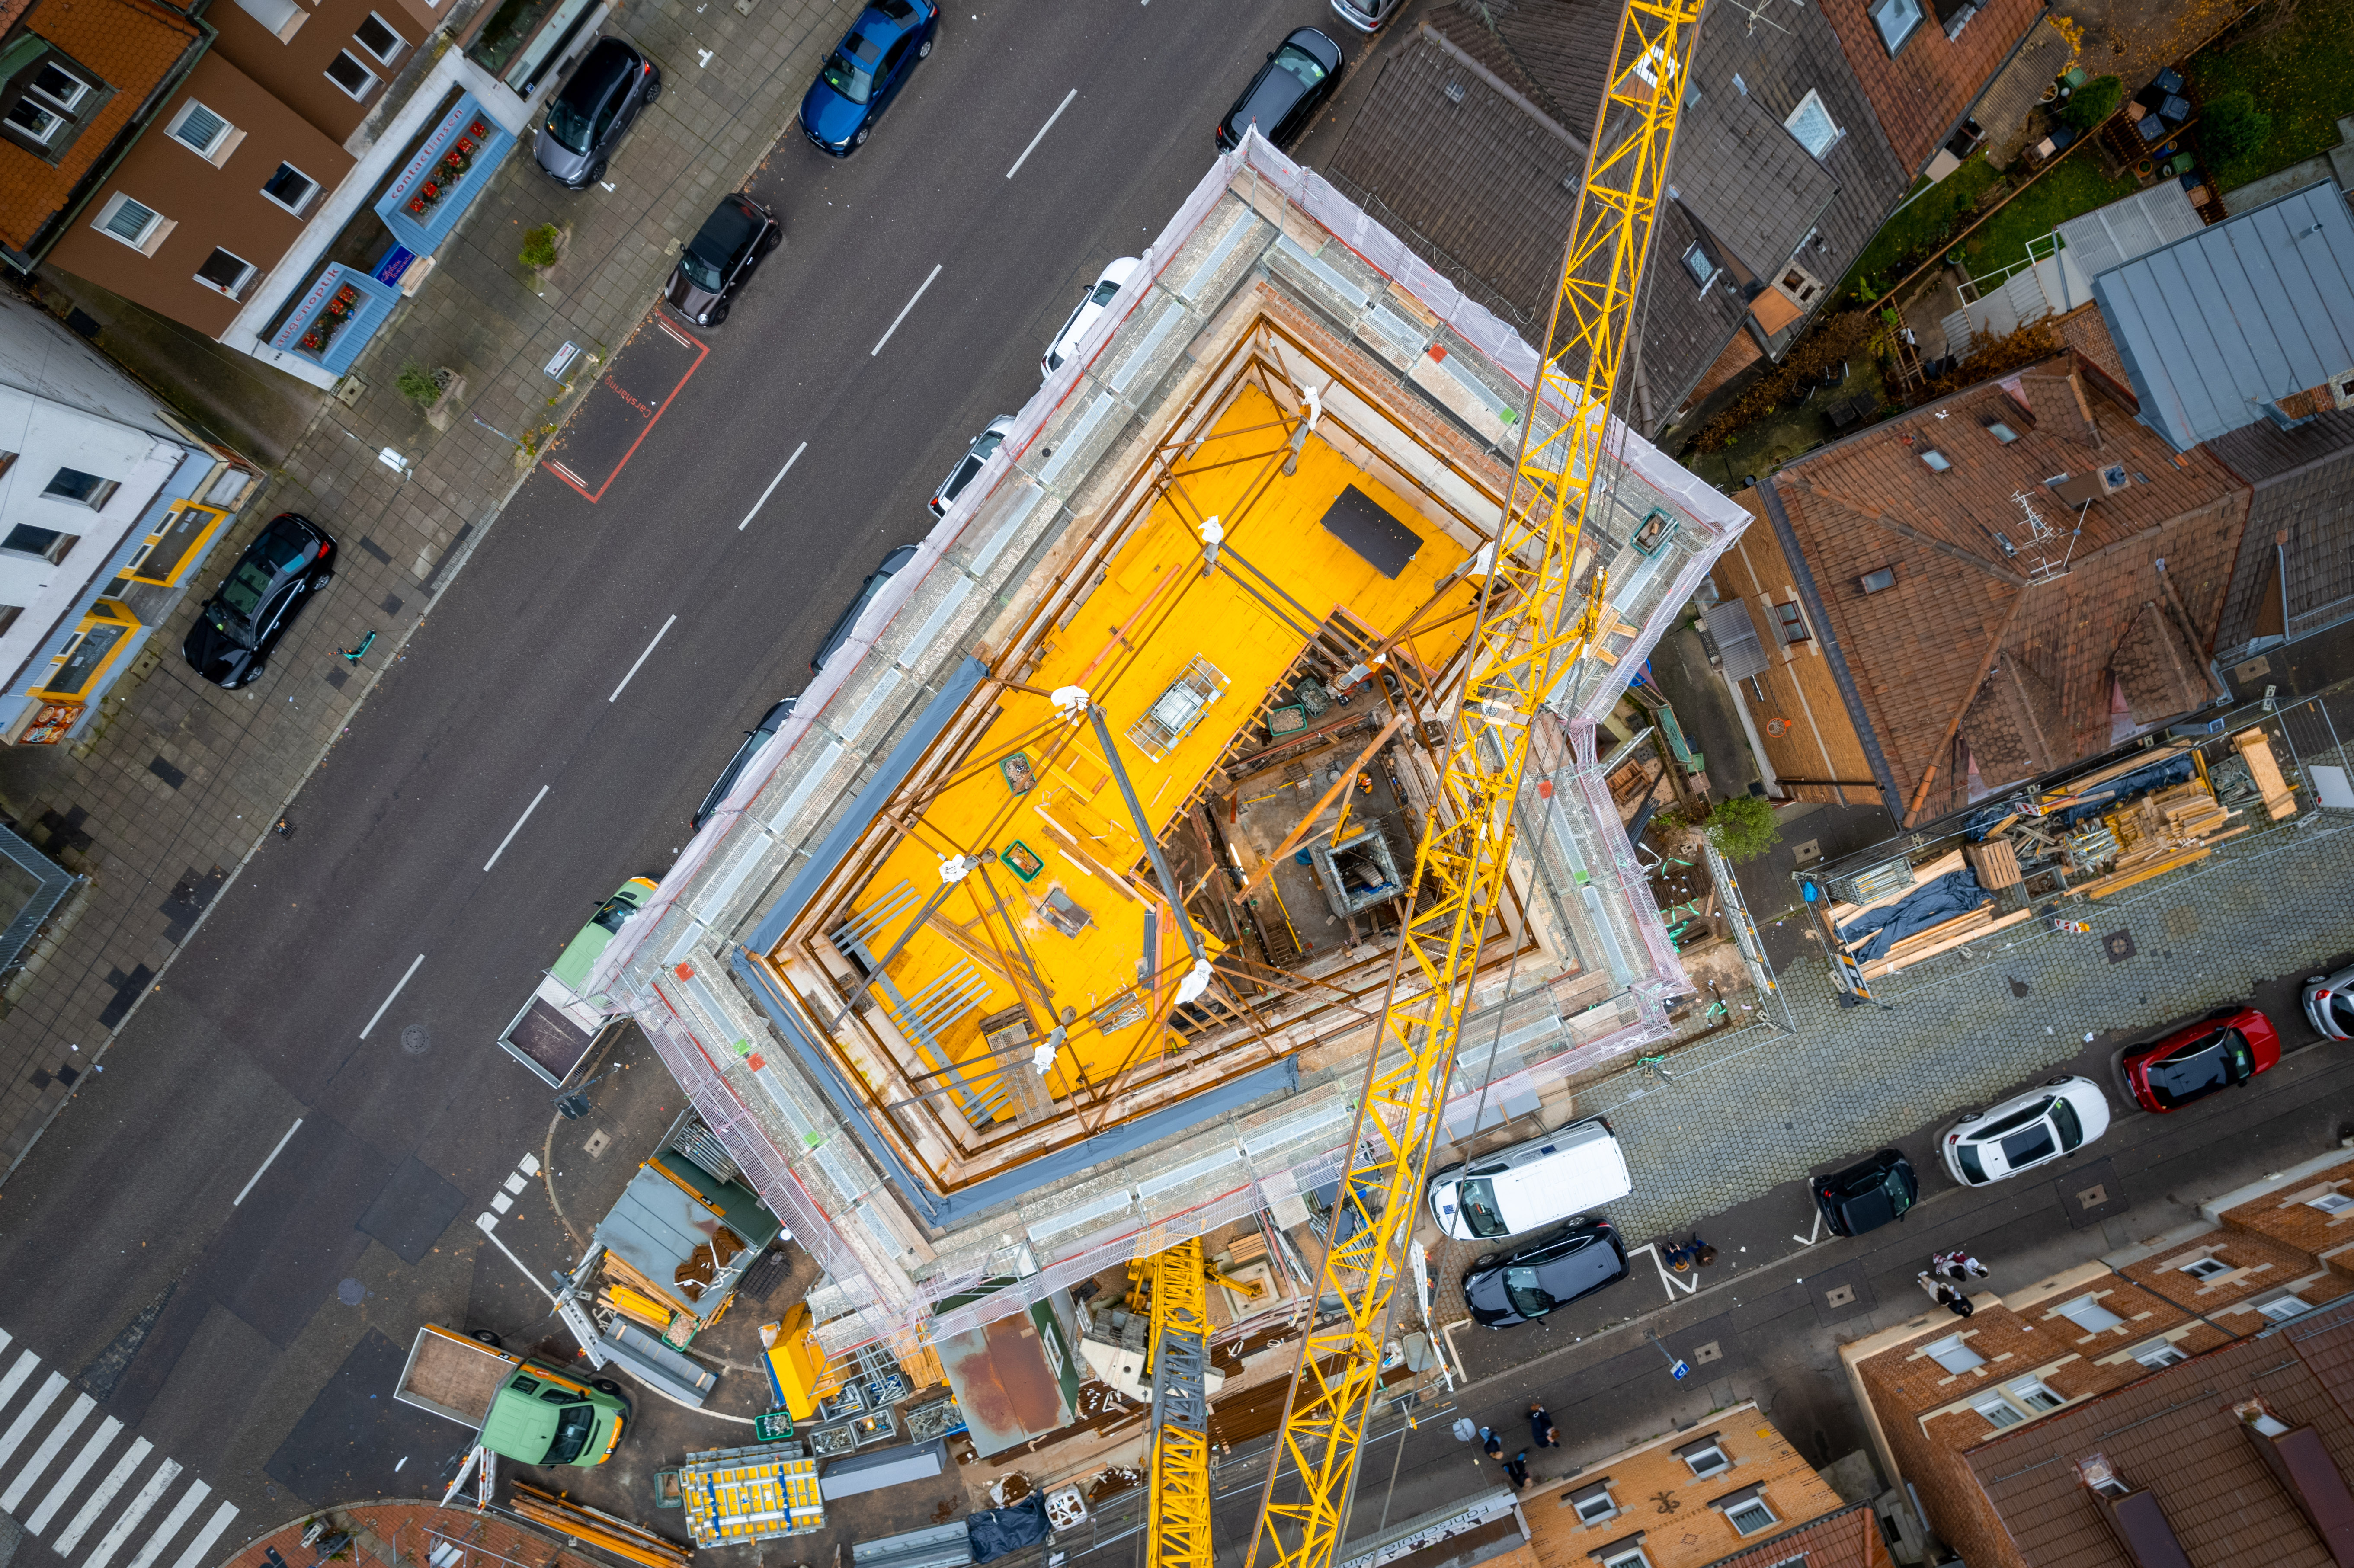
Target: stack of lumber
{"x":1840,"y":914}
{"x":1938,"y":939}
{"x":2256,"y":749}
{"x":1995,"y":861}
{"x":2165,"y":830}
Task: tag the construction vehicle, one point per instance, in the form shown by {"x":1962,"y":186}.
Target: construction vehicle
{"x":521,"y":1410}
{"x":1532,"y":624}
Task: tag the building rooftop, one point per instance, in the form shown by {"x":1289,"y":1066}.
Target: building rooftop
{"x":2249,"y":319}
{"x":1923,"y":63}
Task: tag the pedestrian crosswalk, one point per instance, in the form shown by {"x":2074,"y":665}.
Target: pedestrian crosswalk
{"x":93,"y":1499}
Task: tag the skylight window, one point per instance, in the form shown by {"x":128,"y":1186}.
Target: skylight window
{"x":1938,"y":462}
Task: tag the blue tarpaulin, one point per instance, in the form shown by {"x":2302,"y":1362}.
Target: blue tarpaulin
{"x":2157,"y":776}
{"x":1931,"y":904}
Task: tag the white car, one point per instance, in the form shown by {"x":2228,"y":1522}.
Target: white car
{"x":1565,"y":1172}
{"x":969,"y":466}
{"x":2329,"y":1004}
{"x":1089,"y":311}
{"x":2025,"y":1131}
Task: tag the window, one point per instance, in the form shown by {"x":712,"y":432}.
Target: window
{"x":1790,"y":622}
{"x":2001,"y":431}
{"x":46,"y":543}
{"x":2160,"y":1354}
{"x":1880,"y":581}
{"x":1700,"y":264}
{"x":1954,"y":1354}
{"x":8,"y":614}
{"x":1938,"y":463}
{"x":2206,"y":1268}
{"x":1897,"y":20}
{"x":224,"y":270}
{"x":1631,"y":1557}
{"x":1594,"y":1504}
{"x":351,"y":75}
{"x":2281,"y":1309}
{"x":281,"y":17}
{"x":82,"y":489}
{"x":133,"y":222}
{"x":1751,"y":1515}
{"x":59,"y":86}
{"x":2331,"y":1202}
{"x":291,"y":188}
{"x":376,"y":37}
{"x":1812,"y":124}
{"x":1705,"y":1457}
{"x":32,"y":122}
{"x":1999,"y":1412}
{"x":2033,"y":1393}
{"x":2087,"y":1313}
{"x":198,"y":128}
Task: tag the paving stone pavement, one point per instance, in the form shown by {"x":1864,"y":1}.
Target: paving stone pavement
{"x":180,"y":779}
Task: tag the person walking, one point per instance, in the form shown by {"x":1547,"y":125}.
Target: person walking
{"x":1945,"y":1295}
{"x":1957,"y":1267}
{"x":1492,"y":1445}
{"x":1540,"y":1428}
{"x":1518,"y":1468}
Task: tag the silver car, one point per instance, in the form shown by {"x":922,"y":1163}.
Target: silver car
{"x":592,"y":111}
{"x":969,"y":466}
{"x":2329,"y":1004}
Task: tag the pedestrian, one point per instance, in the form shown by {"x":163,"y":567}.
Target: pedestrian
{"x":1518,"y":1468}
{"x":1953,"y":1301}
{"x":1540,"y":1428}
{"x":1679,"y":1258}
{"x":1702,"y":1254}
{"x":1491,"y":1444}
{"x":1959,"y":1266}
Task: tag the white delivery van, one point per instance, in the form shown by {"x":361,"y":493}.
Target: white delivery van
{"x":1561,"y":1174}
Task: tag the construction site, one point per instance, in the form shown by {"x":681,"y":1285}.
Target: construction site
{"x":1056,"y":931}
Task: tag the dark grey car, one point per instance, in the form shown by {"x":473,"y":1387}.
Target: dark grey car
{"x":890,"y":568}
{"x":593,"y":110}
{"x":770,"y":722}
{"x":731,"y":242}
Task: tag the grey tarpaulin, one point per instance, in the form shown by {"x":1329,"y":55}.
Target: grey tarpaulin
{"x":1005,"y":1530}
{"x":1955,"y":892}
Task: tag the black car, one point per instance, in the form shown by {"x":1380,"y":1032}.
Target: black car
{"x":1287,"y":93}
{"x":1865,"y":1197}
{"x":238,"y":627}
{"x":593,"y":110}
{"x":1505,"y":1288}
{"x":866,"y":592}
{"x":731,"y":242}
{"x":770,"y":722}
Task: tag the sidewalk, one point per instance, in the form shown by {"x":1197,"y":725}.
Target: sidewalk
{"x":406,"y":1533}
{"x":180,"y":780}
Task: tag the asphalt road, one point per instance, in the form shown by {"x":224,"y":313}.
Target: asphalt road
{"x":222,"y":1234}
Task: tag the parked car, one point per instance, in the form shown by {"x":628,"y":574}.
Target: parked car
{"x":1569,"y":1172}
{"x":1866,"y":1196}
{"x":722,"y":253}
{"x":2226,"y":1049}
{"x":2025,"y":1131}
{"x":1288,"y":91}
{"x":1087,"y":311}
{"x":883,"y":573}
{"x":237,"y":628}
{"x":2329,"y":1004}
{"x":865,"y":72}
{"x":593,"y":111}
{"x":1367,"y":16}
{"x":770,"y":722}
{"x":1502,"y":1289}
{"x":969,"y":465}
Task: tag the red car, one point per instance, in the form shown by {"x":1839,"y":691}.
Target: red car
{"x":2223,"y":1050}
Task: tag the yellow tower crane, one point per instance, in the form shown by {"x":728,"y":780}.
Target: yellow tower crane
{"x":1532,"y":622}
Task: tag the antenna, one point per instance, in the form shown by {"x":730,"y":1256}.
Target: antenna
{"x":1756,"y":11}
{"x":2044,"y":543}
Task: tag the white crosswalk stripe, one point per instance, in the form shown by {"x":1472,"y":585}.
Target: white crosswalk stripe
{"x":62,"y":1478}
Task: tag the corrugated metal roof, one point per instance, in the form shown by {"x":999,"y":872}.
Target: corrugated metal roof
{"x":2116,"y":233}
{"x":2213,"y":329}
{"x":657,"y":1224}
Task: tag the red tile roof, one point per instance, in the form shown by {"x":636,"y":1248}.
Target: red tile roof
{"x":1995,"y":647}
{"x":1848,"y":1539}
{"x":132,"y":44}
{"x":1921,"y":94}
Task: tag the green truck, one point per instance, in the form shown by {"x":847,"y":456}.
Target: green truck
{"x":559,"y":1027}
{"x":525,"y":1411}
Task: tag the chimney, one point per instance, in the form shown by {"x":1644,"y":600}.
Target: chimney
{"x":2303,"y":1466}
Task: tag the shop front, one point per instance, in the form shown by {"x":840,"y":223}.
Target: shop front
{"x":68,"y":686}
{"x":523,"y":39}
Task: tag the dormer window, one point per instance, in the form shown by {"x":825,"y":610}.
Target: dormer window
{"x":1936,"y":461}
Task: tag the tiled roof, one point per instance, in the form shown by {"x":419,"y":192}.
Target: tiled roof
{"x":132,"y":45}
{"x":1921,"y":94}
{"x":1967,"y":644}
{"x":2304,"y":491}
{"x":1848,"y":1539}
{"x":2263,"y":451}
{"x":2172,"y":1433}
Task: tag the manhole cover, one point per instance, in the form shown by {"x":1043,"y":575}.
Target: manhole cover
{"x":1838,"y":1295}
{"x":2093,"y":1197}
{"x":416,"y":1040}
{"x":2118,"y":945}
{"x":598,"y":1143}
{"x":1706,"y":1353}
{"x":351,"y":1293}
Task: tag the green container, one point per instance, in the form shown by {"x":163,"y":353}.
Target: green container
{"x":774,"y":1427}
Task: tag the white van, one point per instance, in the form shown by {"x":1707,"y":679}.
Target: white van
{"x":1572,"y":1171}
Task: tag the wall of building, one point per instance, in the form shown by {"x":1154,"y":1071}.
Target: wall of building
{"x":213,"y":204}
{"x":294,"y":68}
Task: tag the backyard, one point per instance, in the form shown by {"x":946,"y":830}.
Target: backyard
{"x":2075,"y":185}
{"x":2298,"y":66}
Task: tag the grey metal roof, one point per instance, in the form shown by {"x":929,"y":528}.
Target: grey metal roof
{"x":2214,"y":328}
{"x":656,"y":1226}
{"x":2113,"y":235}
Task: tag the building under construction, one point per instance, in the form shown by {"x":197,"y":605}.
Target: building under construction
{"x":1054,"y":926}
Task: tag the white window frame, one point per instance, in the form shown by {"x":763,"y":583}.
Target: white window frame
{"x":150,"y":238}
{"x":1723,"y":1461}
{"x":2160,"y":1354}
{"x":299,"y":208}
{"x":1957,"y":1348}
{"x":2089,"y":1305}
{"x":65,"y":105}
{"x":1999,"y":1412}
{"x":374,"y":80}
{"x":2330,"y":1202}
{"x":48,"y":133}
{"x":1878,"y":8}
{"x":1609,"y":1506}
{"x":2297,"y":1306}
{"x":399,"y":43}
{"x":1631,"y":1557}
{"x":2205,"y":1267}
{"x":1814,"y":101}
{"x":224,"y":141}
{"x":1732,"y":1515}
{"x":2031,"y":1392}
{"x":235,"y":291}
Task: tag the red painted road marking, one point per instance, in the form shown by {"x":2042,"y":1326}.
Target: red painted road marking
{"x":654,"y":416}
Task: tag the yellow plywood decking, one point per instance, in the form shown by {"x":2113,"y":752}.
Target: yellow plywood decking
{"x":1078,"y":920}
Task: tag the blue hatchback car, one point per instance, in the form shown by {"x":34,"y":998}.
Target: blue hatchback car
{"x":865,"y":72}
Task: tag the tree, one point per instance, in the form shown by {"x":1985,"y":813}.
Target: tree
{"x":1743,"y":828}
{"x":2231,"y":125}
{"x":2094,"y":102}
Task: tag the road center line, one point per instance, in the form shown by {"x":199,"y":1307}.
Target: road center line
{"x":633,"y":669}
{"x":1042,"y":133}
{"x":772,"y":487}
{"x":377,"y":1016}
{"x":528,"y":811}
{"x":291,"y":1131}
{"x":903,"y":312}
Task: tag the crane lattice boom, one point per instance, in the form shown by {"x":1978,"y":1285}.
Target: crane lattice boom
{"x":1178,"y":1534}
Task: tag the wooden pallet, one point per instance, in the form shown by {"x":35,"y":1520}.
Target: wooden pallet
{"x":2256,"y":748}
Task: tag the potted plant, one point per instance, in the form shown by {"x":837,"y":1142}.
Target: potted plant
{"x":435,"y":392}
